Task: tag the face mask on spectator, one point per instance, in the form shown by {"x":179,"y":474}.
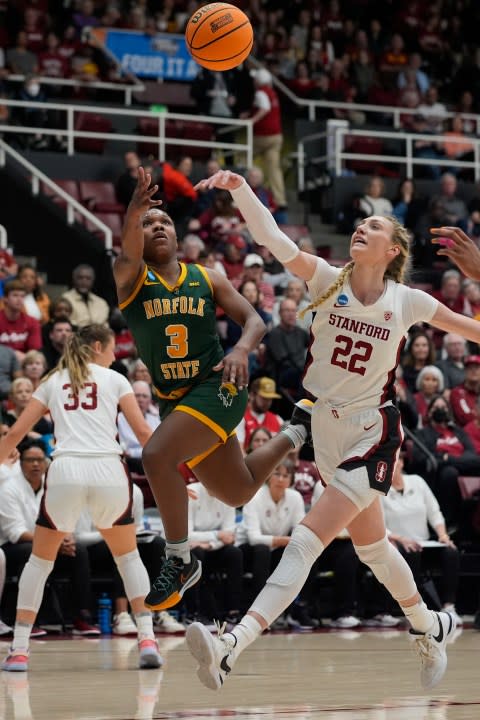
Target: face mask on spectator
{"x":33,"y":89}
{"x":440,"y":415}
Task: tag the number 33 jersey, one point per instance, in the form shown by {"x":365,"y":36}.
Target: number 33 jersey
{"x":175,"y":328}
{"x":85,"y":424}
{"x":355,"y":349}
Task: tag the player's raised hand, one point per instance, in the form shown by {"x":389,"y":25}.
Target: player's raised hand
{"x":222,"y":179}
{"x":459,"y":248}
{"x":142,"y":198}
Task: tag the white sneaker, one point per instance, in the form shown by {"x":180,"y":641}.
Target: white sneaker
{"x":452,"y":610}
{"x":166,"y":623}
{"x":123,"y":624}
{"x":431,"y":649}
{"x":214,"y":653}
{"x":346,"y":622}
{"x":383,"y":620}
{"x":4,"y":628}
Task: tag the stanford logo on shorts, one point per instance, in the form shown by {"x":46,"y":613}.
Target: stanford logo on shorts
{"x":387,"y":315}
{"x":381,"y":471}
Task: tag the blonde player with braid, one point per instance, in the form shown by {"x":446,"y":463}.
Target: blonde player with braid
{"x":361,"y":316}
{"x":83,"y":396}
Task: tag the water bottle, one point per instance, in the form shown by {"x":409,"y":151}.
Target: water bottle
{"x":104,"y":612}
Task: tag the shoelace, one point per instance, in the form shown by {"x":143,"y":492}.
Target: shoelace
{"x":220,"y":628}
{"x":167,"y":576}
{"x":425,"y":649}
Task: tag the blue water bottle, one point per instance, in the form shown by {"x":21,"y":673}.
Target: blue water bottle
{"x":105,"y":614}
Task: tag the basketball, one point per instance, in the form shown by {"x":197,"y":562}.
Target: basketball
{"x":219,"y":36}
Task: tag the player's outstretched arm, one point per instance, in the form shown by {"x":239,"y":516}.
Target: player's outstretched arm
{"x":459,"y":248}
{"x":261,"y":224}
{"x":449,"y":321}
{"x":129,"y":262}
{"x":31,"y":415}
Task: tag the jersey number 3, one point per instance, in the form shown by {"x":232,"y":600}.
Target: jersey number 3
{"x":353,"y":361}
{"x":89,"y":402}
{"x":178,"y":335}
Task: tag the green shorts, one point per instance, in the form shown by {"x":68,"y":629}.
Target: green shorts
{"x":220,"y":406}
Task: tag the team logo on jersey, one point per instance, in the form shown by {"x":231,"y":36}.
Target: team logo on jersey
{"x":387,"y":315}
{"x":194,"y":284}
{"x":151,"y":279}
{"x":381,"y":471}
{"x":226,"y":393}
{"x":341,"y":301}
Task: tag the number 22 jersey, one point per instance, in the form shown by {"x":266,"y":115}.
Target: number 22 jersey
{"x":356,"y":348}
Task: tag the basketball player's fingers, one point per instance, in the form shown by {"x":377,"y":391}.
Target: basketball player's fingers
{"x":218,"y":367}
{"x":453,"y":233}
{"x":152,"y":190}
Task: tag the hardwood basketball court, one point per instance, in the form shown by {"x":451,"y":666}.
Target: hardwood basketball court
{"x":332,"y":675}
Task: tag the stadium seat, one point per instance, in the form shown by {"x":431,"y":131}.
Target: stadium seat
{"x":99,"y":197}
{"x":363,"y":146}
{"x":149,"y":126}
{"x":91,"y":122}
{"x":198,"y":131}
{"x":113,"y":221}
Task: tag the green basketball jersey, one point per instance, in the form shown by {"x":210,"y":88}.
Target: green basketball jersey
{"x":174,"y":328}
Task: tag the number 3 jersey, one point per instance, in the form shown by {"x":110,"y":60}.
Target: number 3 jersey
{"x":85,"y":424}
{"x":174,"y":328}
{"x":355,"y":349}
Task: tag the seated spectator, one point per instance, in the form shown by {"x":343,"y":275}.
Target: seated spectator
{"x":464,"y":397}
{"x":410,"y":510}
{"x":8,"y":268}
{"x":419,"y":352}
{"x":457,"y":145}
{"x":394,"y":58}
{"x":407,"y":204}
{"x":429,"y":383}
{"x":126,"y":183}
{"x":255,"y":179}
{"x":450,"y":294}
{"x":18,"y":331}
{"x":52,"y":63}
{"x":192,"y":246}
{"x":9,"y":370}
{"x":373,"y":201}
{"x":430,"y":119}
{"x":262,"y":392}
{"x":471,"y":291}
{"x":37,"y":302}
{"x":296,"y":290}
{"x":20,"y":61}
{"x":233,"y":331}
{"x":259,"y":437}
{"x":212,"y":537}
{"x":305,"y":476}
{"x":302,"y":84}
{"x":20,"y":499}
{"x":34,"y":367}
{"x":421,"y":78}
{"x":453,"y":450}
{"x":233,"y":257}
{"x":32,"y":92}
{"x":61,"y":329}
{"x":285,"y":351}
{"x":452,"y":365}
{"x":20,"y":395}
{"x":363,"y":75}
{"x":253,"y":269}
{"x":128,"y":440}
{"x":60,"y":307}
{"x":268,"y":520}
{"x":125,"y":348}
{"x":455,"y":211}
{"x":87,"y":307}
{"x":221,"y":219}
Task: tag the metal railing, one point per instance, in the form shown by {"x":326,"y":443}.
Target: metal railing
{"x":70,"y":133}
{"x":126,"y":88}
{"x":336,"y":155}
{"x":36,"y":176}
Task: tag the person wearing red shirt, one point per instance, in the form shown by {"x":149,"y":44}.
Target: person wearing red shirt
{"x":51,"y":63}
{"x":18,"y":330}
{"x":258,"y":414}
{"x":464,"y":397}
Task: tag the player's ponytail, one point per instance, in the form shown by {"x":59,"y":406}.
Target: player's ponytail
{"x":79,"y":352}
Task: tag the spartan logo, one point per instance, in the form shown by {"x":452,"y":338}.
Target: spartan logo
{"x":226,"y":393}
{"x":381,"y":472}
{"x":220,"y":22}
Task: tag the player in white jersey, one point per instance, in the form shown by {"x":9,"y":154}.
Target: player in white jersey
{"x":83,"y":397}
{"x":361,"y":315}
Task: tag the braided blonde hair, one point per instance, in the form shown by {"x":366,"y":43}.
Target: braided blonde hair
{"x":78,"y":354}
{"x":396,"y":270}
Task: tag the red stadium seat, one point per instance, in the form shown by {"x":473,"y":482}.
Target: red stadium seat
{"x":91,"y":122}
{"x":363,"y":146}
{"x":198,"y":131}
{"x":113,"y":221}
{"x":99,"y":197}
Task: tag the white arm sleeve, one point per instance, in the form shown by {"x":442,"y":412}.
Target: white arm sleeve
{"x":262,"y":226}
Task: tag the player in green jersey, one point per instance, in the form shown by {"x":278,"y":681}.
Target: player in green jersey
{"x":170,"y":309}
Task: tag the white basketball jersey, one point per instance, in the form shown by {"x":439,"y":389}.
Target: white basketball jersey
{"x":85,"y":424}
{"x":355,"y":349}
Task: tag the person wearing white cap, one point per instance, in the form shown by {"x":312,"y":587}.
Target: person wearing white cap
{"x":253,"y":266}
{"x":267,"y":133}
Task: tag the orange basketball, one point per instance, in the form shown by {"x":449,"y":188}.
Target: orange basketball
{"x":219,"y":36}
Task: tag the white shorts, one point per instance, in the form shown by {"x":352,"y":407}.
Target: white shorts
{"x":357,"y":453}
{"x":74,"y":483}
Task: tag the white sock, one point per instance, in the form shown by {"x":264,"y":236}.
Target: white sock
{"x":21,"y":636}
{"x":420,"y":617}
{"x":178,"y":549}
{"x":297,"y":434}
{"x":144,"y":622}
{"x":245,"y":632}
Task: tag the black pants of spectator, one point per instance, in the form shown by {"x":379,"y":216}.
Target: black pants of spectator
{"x":104,"y":566}
{"x":447,"y":491}
{"x":339,"y":556}
{"x":76,"y":568}
{"x":444,"y":560}
{"x":201,"y":598}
